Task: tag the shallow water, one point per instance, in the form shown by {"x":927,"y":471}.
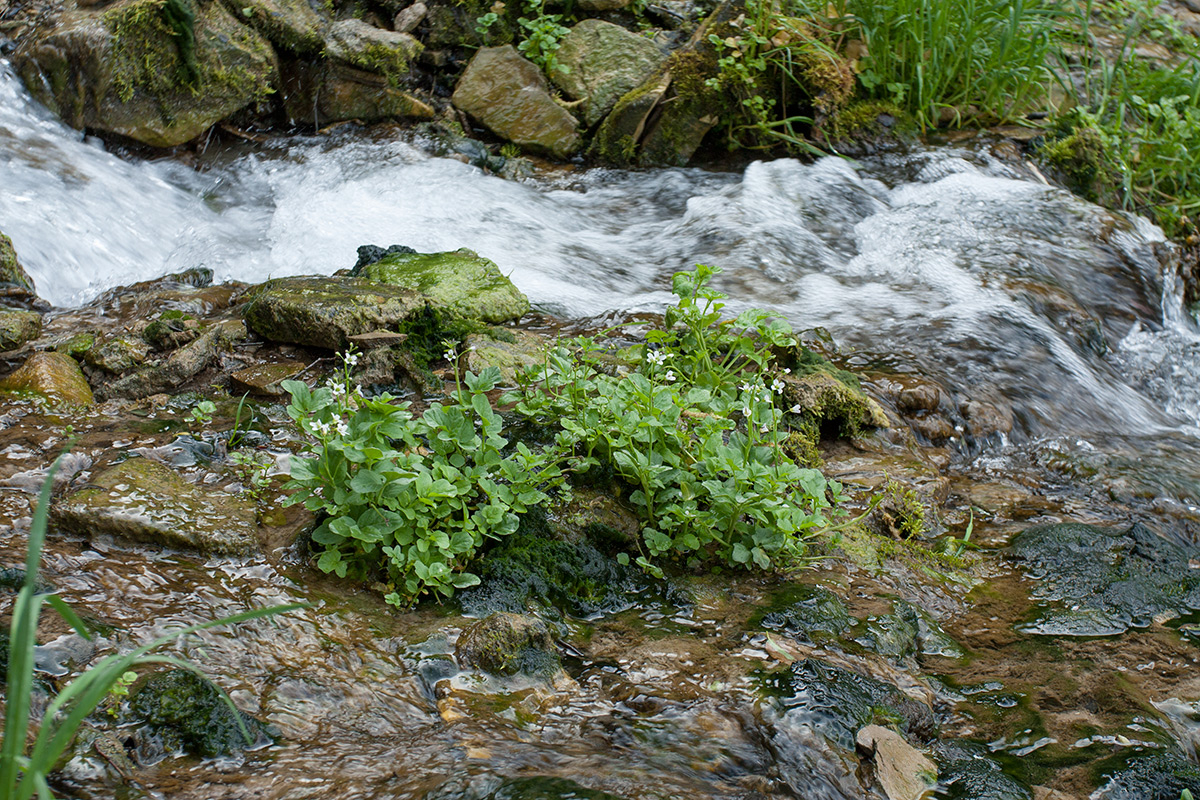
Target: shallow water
{"x":956,"y":264}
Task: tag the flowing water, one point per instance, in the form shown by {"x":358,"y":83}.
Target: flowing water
{"x":954,"y":263}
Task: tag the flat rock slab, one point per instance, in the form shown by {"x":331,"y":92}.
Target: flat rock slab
{"x":509,"y":95}
{"x":264,"y":379}
{"x":325,"y":312}
{"x":145,"y":501}
{"x":461,"y":280}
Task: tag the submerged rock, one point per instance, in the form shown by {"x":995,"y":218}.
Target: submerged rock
{"x":969,"y":773}
{"x":461,"y":281}
{"x":143,"y":500}
{"x":603,"y":63}
{"x":812,"y":614}
{"x":325,"y":312}
{"x":509,"y":95}
{"x":55,"y":376}
{"x":1157,"y":776}
{"x":186,"y":711}
{"x":158,"y":73}
{"x":505,"y":644}
{"x":18,"y":327}
{"x":264,"y":379}
{"x":1096,"y":582}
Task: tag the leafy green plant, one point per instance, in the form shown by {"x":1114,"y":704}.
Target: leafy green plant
{"x":410,"y":499}
{"x":695,"y":431}
{"x":543,"y":34}
{"x":24,"y":768}
{"x":202,"y":412}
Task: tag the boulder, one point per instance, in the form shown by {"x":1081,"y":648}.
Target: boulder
{"x":505,"y":644}
{"x":509,"y":96}
{"x":18,"y":327}
{"x":52,"y":375}
{"x":901,"y":769}
{"x":15,"y":282}
{"x":292,"y":25}
{"x":461,"y":281}
{"x":388,"y":53}
{"x":116,"y":354}
{"x":327,"y":92}
{"x":145,"y":501}
{"x":158,"y":72}
{"x":325,"y":312}
{"x":182,"y":365}
{"x":604,"y":63}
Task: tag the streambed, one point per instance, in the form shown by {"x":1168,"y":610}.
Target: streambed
{"x":1032,"y":349}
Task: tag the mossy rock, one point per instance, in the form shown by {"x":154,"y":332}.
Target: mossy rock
{"x":181,"y":366}
{"x":18,"y":327}
{"x":172,"y":329}
{"x":967,"y":771}
{"x":461,"y":281}
{"x":12,"y":274}
{"x":292,"y":25}
{"x":325,"y":312}
{"x":160,"y":72}
{"x":117,"y":354}
{"x":811,"y":614}
{"x":1099,"y":582}
{"x":76,"y":345}
{"x":359,"y":44}
{"x":185,"y":710}
{"x":320,"y":93}
{"x":145,"y":501}
{"x":826,"y":406}
{"x":505,"y":644}
{"x":604,"y":62}
{"x":525,"y":350}
{"x":837,"y":703}
{"x":52,"y":375}
{"x":1152,"y":776}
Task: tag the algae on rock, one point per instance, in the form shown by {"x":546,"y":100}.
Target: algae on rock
{"x":55,"y":376}
{"x":186,"y":711}
{"x":461,"y":281}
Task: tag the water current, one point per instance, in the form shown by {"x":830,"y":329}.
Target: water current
{"x":958,"y":263}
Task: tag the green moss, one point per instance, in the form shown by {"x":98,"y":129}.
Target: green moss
{"x":461,"y":281}
{"x":146,"y":53}
{"x":808,"y":614}
{"x":186,"y":710}
{"x":430,"y":330}
{"x":1084,"y":157}
{"x":902,"y":515}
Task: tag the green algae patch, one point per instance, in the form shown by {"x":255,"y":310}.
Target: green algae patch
{"x":54,"y":376}
{"x":145,"y":501}
{"x":325,"y":312}
{"x":811,"y":614}
{"x":460,"y":281}
{"x":186,"y":711}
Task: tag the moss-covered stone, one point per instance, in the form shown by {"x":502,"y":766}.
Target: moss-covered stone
{"x":52,"y":375}
{"x":461,"y":281}
{"x":11,"y":271}
{"x":18,"y":327}
{"x":117,"y":354}
{"x":145,"y":501}
{"x":125,"y":69}
{"x":181,"y":366}
{"x":293,"y":25}
{"x":1096,"y":582}
{"x":76,"y":345}
{"x":604,"y":62}
{"x":172,"y":329}
{"x":967,"y":772}
{"x":187,"y":711}
{"x":324,"y":312}
{"x":1152,"y":776}
{"x":824,"y":405}
{"x":509,"y":95}
{"x":811,"y":614}
{"x":524,"y":350}
{"x":505,"y":644}
{"x":372,"y":49}
{"x":321,"y":93}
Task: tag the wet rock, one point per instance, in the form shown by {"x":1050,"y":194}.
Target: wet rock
{"x":559,"y":576}
{"x":117,"y":354}
{"x":18,"y":327}
{"x":52,"y":375}
{"x":183,"y":710}
{"x":143,"y":500}
{"x":509,"y":96}
{"x":824,"y":405}
{"x":125,"y":69}
{"x":327,"y":92}
{"x":324,"y":312}
{"x":524,"y":351}
{"x":75,"y":345}
{"x":15,"y":283}
{"x":604,"y":62}
{"x":900,"y":768}
{"x":837,"y":703}
{"x":812,"y":614}
{"x":264,"y":379}
{"x":1095,"y":582}
{"x":460,"y":281}
{"x":172,"y":329}
{"x":409,"y":18}
{"x":1157,"y":776}
{"x":289,"y":24}
{"x":181,"y":366}
{"x":908,"y":630}
{"x":372,"y":49}
{"x":505,"y":644}
{"x":969,"y":773}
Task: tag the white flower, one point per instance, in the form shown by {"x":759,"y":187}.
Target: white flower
{"x":342,"y":428}
{"x":746,"y":412}
{"x":351,"y":359}
{"x":764,"y":428}
{"x":669,"y":377}
{"x":796,"y":409}
{"x":787,"y":371}
{"x":320,"y":427}
{"x":747,"y":387}
{"x":777,"y":386}
{"x":657,"y":357}
{"x":451,"y":354}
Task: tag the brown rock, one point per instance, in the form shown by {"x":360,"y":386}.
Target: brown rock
{"x":52,"y":375}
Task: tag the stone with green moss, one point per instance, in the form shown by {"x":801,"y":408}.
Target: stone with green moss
{"x":325,"y":312}
{"x":326,"y":92}
{"x":128,"y":69}
{"x":810,"y":614}
{"x":18,"y":327}
{"x":505,"y":644}
{"x":117,"y":354}
{"x":293,"y":25}
{"x":604,"y":62}
{"x":460,"y":281}
{"x":361,"y":45}
{"x":509,"y":96}
{"x":825,"y":405}
{"x":182,"y":365}
{"x":145,"y":501}
{"x":186,"y":711}
{"x":11,"y":271}
{"x":77,"y":344}
{"x":521,"y":350}
{"x":54,"y":376}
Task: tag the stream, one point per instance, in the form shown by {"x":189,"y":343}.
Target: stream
{"x":954,"y":265}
